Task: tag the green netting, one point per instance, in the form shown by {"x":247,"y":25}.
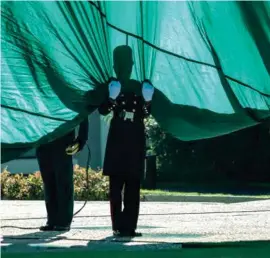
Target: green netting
{"x":209,"y":63}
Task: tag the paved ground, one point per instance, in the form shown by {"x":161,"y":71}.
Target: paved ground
{"x":164,"y":225}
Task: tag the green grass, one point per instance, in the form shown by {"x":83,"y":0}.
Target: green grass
{"x":174,"y":193}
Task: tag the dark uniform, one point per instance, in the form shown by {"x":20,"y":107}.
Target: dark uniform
{"x":125,"y":156}
{"x":56,"y":169}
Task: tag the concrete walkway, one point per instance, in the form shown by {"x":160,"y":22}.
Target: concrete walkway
{"x":164,"y":225}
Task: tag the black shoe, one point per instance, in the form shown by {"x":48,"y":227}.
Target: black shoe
{"x":116,"y":233}
{"x":61,"y":228}
{"x":46,"y":228}
{"x":135,"y":234}
{"x":126,"y":234}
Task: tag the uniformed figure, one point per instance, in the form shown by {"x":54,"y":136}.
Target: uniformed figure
{"x":56,"y":167}
{"x":129,"y":100}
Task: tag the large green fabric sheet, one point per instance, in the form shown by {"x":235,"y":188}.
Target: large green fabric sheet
{"x":209,"y":63}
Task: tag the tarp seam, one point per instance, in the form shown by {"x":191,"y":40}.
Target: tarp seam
{"x":173,"y":54}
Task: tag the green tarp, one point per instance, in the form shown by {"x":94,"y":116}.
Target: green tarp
{"x":209,"y":63}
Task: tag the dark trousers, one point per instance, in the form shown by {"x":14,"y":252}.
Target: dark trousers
{"x":56,"y":169}
{"x":124,"y":219}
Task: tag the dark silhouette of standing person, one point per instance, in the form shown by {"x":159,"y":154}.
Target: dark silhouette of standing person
{"x":56,"y":167}
{"x":130,"y":102}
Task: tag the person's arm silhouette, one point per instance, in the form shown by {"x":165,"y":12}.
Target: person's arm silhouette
{"x":109,"y":104}
{"x":79,"y":143}
{"x":147,"y":93}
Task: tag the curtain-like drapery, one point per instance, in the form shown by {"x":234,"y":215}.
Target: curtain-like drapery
{"x":209,"y":63}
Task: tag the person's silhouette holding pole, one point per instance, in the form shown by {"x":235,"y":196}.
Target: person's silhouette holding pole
{"x":56,"y":167}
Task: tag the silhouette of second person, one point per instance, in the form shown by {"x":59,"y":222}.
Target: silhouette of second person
{"x":130,"y":102}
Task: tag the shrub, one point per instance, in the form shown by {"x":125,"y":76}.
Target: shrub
{"x":30,"y":187}
{"x":98,"y":185}
{"x":11,"y":185}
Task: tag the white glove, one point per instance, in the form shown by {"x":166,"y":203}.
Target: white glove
{"x":114,"y":89}
{"x":147,"y":91}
